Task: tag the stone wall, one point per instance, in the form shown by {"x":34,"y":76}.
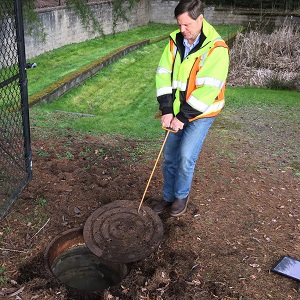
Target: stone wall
{"x":162,"y":11}
{"x":63,"y":27}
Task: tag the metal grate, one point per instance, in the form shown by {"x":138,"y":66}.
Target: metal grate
{"x":15,"y":152}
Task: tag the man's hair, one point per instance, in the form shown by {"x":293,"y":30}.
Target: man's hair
{"x":194,"y":8}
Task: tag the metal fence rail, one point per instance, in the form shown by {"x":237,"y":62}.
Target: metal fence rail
{"x":15,"y":152}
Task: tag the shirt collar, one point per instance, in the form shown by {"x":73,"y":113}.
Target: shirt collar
{"x":187,"y":45}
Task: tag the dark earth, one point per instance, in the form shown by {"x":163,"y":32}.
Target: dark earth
{"x":242,"y":217}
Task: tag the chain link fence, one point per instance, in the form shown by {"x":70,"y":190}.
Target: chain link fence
{"x":15,"y":153}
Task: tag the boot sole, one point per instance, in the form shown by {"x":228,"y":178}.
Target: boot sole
{"x":178,"y":214}
{"x":183,"y":211}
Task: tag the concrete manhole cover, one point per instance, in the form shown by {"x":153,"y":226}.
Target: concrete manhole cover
{"x":118,"y":232}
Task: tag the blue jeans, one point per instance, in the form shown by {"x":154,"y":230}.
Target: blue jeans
{"x":180,"y":153}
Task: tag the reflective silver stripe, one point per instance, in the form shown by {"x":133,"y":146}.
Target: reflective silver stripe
{"x":210,"y":81}
{"x":206,"y":109}
{"x":201,"y":64}
{"x":179,"y":85}
{"x":197,"y":104}
{"x":214,"y":107}
{"x":174,"y":50}
{"x":217,"y":39}
{"x":164,"y":91}
{"x":161,"y":70}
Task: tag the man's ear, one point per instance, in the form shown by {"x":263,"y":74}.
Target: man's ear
{"x":200,"y":19}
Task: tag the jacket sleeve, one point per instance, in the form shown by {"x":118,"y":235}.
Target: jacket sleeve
{"x":164,"y":81}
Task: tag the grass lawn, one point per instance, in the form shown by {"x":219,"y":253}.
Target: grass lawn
{"x":56,"y":64}
{"x":121,"y":97}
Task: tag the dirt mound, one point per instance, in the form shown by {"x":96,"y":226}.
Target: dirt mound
{"x":244,"y":212}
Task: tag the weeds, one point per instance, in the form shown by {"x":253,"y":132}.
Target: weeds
{"x":43,"y":153}
{"x":99,"y":152}
{"x":69,"y":155}
{"x":86,"y":152}
{"x":4,"y":279}
{"x":268,"y":60}
{"x":42,"y":202}
{"x":295,"y":165}
{"x":281,"y":81}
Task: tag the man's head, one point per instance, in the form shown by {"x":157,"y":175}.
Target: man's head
{"x":189,"y":15}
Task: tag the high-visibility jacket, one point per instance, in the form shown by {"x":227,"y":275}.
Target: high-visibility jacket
{"x":193,"y":87}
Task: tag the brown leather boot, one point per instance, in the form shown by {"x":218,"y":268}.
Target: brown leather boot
{"x":161,"y":206}
{"x":179,"y":206}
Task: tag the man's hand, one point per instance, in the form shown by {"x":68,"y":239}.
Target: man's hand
{"x":176,"y":124}
{"x":169,"y":121}
{"x":166,"y":120}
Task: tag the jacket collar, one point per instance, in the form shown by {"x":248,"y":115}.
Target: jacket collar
{"x":204,"y":40}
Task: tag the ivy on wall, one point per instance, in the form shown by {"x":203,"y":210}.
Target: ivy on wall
{"x":29,"y":14}
{"x":81,"y":8}
{"x":85,"y":13}
{"x":32,"y":20}
{"x":119,"y":8}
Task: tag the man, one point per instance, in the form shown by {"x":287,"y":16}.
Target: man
{"x":190,"y":82}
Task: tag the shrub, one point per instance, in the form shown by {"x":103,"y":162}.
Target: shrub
{"x":269,"y":60}
{"x":276,"y":82}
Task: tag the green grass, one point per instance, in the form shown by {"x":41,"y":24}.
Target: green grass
{"x":122,"y":97}
{"x":56,"y":64}
{"x":239,"y":97}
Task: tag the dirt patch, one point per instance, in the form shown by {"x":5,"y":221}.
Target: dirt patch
{"x":244,"y":212}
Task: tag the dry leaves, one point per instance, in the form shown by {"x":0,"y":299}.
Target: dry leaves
{"x":256,"y":57}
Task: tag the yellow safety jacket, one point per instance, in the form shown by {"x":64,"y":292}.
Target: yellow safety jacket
{"x":193,"y":87}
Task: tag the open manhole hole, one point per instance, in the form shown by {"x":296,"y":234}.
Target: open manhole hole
{"x":118,"y":232}
{"x":68,"y":259}
{"x":95,"y":257}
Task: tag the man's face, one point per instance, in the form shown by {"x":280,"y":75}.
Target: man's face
{"x":189,"y":28}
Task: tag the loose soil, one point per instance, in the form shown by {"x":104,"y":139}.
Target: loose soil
{"x":242,"y":217}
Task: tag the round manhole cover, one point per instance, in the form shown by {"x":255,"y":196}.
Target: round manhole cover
{"x":119,"y":232}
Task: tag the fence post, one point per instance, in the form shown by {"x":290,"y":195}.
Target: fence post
{"x":23,"y":85}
